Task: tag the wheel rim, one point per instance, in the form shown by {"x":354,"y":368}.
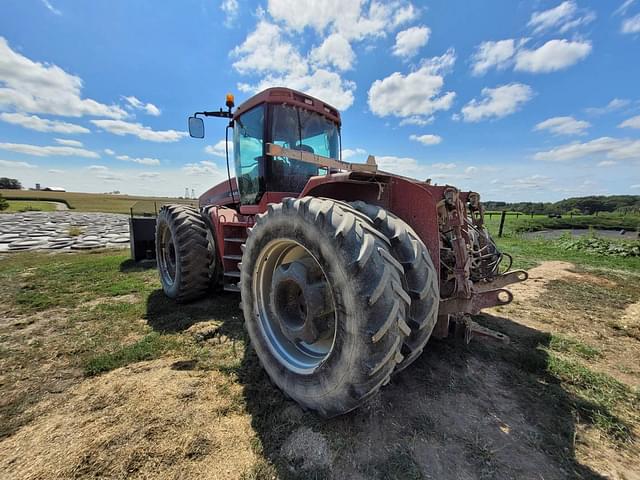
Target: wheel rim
{"x":294,"y":305}
{"x":167,"y":256}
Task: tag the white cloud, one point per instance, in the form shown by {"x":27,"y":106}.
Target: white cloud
{"x":335,"y":51}
{"x":607,"y":163}
{"x":111,"y":177}
{"x":470,"y":170}
{"x":553,"y":55}
{"x":497,"y":102}
{"x":410,"y":167}
{"x":108,"y":151}
{"x":55,"y":170}
{"x":353,"y":19}
{"x":33,"y":122}
{"x":444,"y":166}
{"x":218,"y":149}
{"x":417,"y":93}
{"x":141,"y":161}
{"x":11,"y":164}
{"x":230,"y":9}
{"x":416,"y":120}
{"x":410,"y":41}
{"x":611,"y":148}
{"x":40,"y":151}
{"x":128,"y":178}
{"x":563,"y":126}
{"x":97,"y":168}
{"x":493,"y":54}
{"x":201,"y":168}
{"x":622,"y":9}
{"x":352,"y":152}
{"x":149,"y":108}
{"x":265,"y":51}
{"x":120,"y":127}
{"x":633,"y":122}
{"x":51,"y":8}
{"x":532,"y":182}
{"x":631,"y":25}
{"x":635,"y":187}
{"x":561,"y":18}
{"x":323,"y":84}
{"x":36,"y":87}
{"x":262,"y":54}
{"x":68,"y":143}
{"x":275,"y":53}
{"x":149,"y":175}
{"x":612,"y":106}
{"x":427,"y":139}
{"x":401,"y":165}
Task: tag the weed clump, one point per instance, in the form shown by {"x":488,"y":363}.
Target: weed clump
{"x":600,"y":246}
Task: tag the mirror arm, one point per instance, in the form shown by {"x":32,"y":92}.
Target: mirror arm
{"x":221,"y":113}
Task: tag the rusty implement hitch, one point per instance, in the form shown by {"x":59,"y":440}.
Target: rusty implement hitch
{"x":503,"y":280}
{"x":484,"y":295}
{"x":473,"y":329}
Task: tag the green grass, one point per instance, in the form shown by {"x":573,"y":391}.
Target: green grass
{"x":599,"y":397}
{"x":564,"y":344}
{"x":65,"y":281}
{"x":103,"y":312}
{"x":529,"y":252}
{"x":150,"y":347}
{"x":28,"y":206}
{"x":74,"y":231}
{"x":95,"y":202}
{"x":526,"y":223}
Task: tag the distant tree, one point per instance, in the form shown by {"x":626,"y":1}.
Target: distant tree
{"x":3,"y":203}
{"x":10,"y":183}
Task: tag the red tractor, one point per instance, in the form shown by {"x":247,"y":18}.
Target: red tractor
{"x":345,"y":271}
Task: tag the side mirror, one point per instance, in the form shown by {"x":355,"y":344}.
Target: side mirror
{"x":196,"y":127}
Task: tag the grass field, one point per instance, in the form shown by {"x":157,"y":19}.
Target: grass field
{"x":102,"y":376}
{"x":27,"y":205}
{"x":515,"y":223}
{"x":94,"y":202}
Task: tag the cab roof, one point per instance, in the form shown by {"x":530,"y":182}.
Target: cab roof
{"x":287,"y":96}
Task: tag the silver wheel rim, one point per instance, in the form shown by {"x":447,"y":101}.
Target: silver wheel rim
{"x":299,"y":356}
{"x":167,"y":256}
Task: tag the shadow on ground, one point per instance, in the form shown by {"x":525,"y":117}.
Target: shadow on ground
{"x":485,"y":410}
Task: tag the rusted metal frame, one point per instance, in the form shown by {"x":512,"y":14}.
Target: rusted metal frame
{"x":308,"y":157}
{"x":502,"y":281}
{"x":452,"y":213}
{"x":476,"y":210}
{"x":477,"y":302}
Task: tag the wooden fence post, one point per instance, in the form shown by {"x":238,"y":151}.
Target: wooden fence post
{"x":502,"y":217}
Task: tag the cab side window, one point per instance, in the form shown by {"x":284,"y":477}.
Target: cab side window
{"x":248,"y":136}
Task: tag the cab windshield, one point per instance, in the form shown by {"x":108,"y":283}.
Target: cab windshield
{"x":298,"y":129}
{"x":289,"y":127}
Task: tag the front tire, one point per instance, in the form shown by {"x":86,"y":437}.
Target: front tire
{"x":332,"y":350}
{"x":182,"y":252}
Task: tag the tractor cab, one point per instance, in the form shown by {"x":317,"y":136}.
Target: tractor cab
{"x":276,"y":117}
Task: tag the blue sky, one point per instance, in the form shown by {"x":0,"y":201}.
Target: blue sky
{"x":517,"y":100}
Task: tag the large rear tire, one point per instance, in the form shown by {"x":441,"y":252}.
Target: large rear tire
{"x":420,"y":278}
{"x":323,"y":303}
{"x":183,"y":252}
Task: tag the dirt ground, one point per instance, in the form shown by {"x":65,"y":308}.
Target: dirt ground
{"x":486,"y":410}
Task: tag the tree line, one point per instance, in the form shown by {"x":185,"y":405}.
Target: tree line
{"x":577,"y":205}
